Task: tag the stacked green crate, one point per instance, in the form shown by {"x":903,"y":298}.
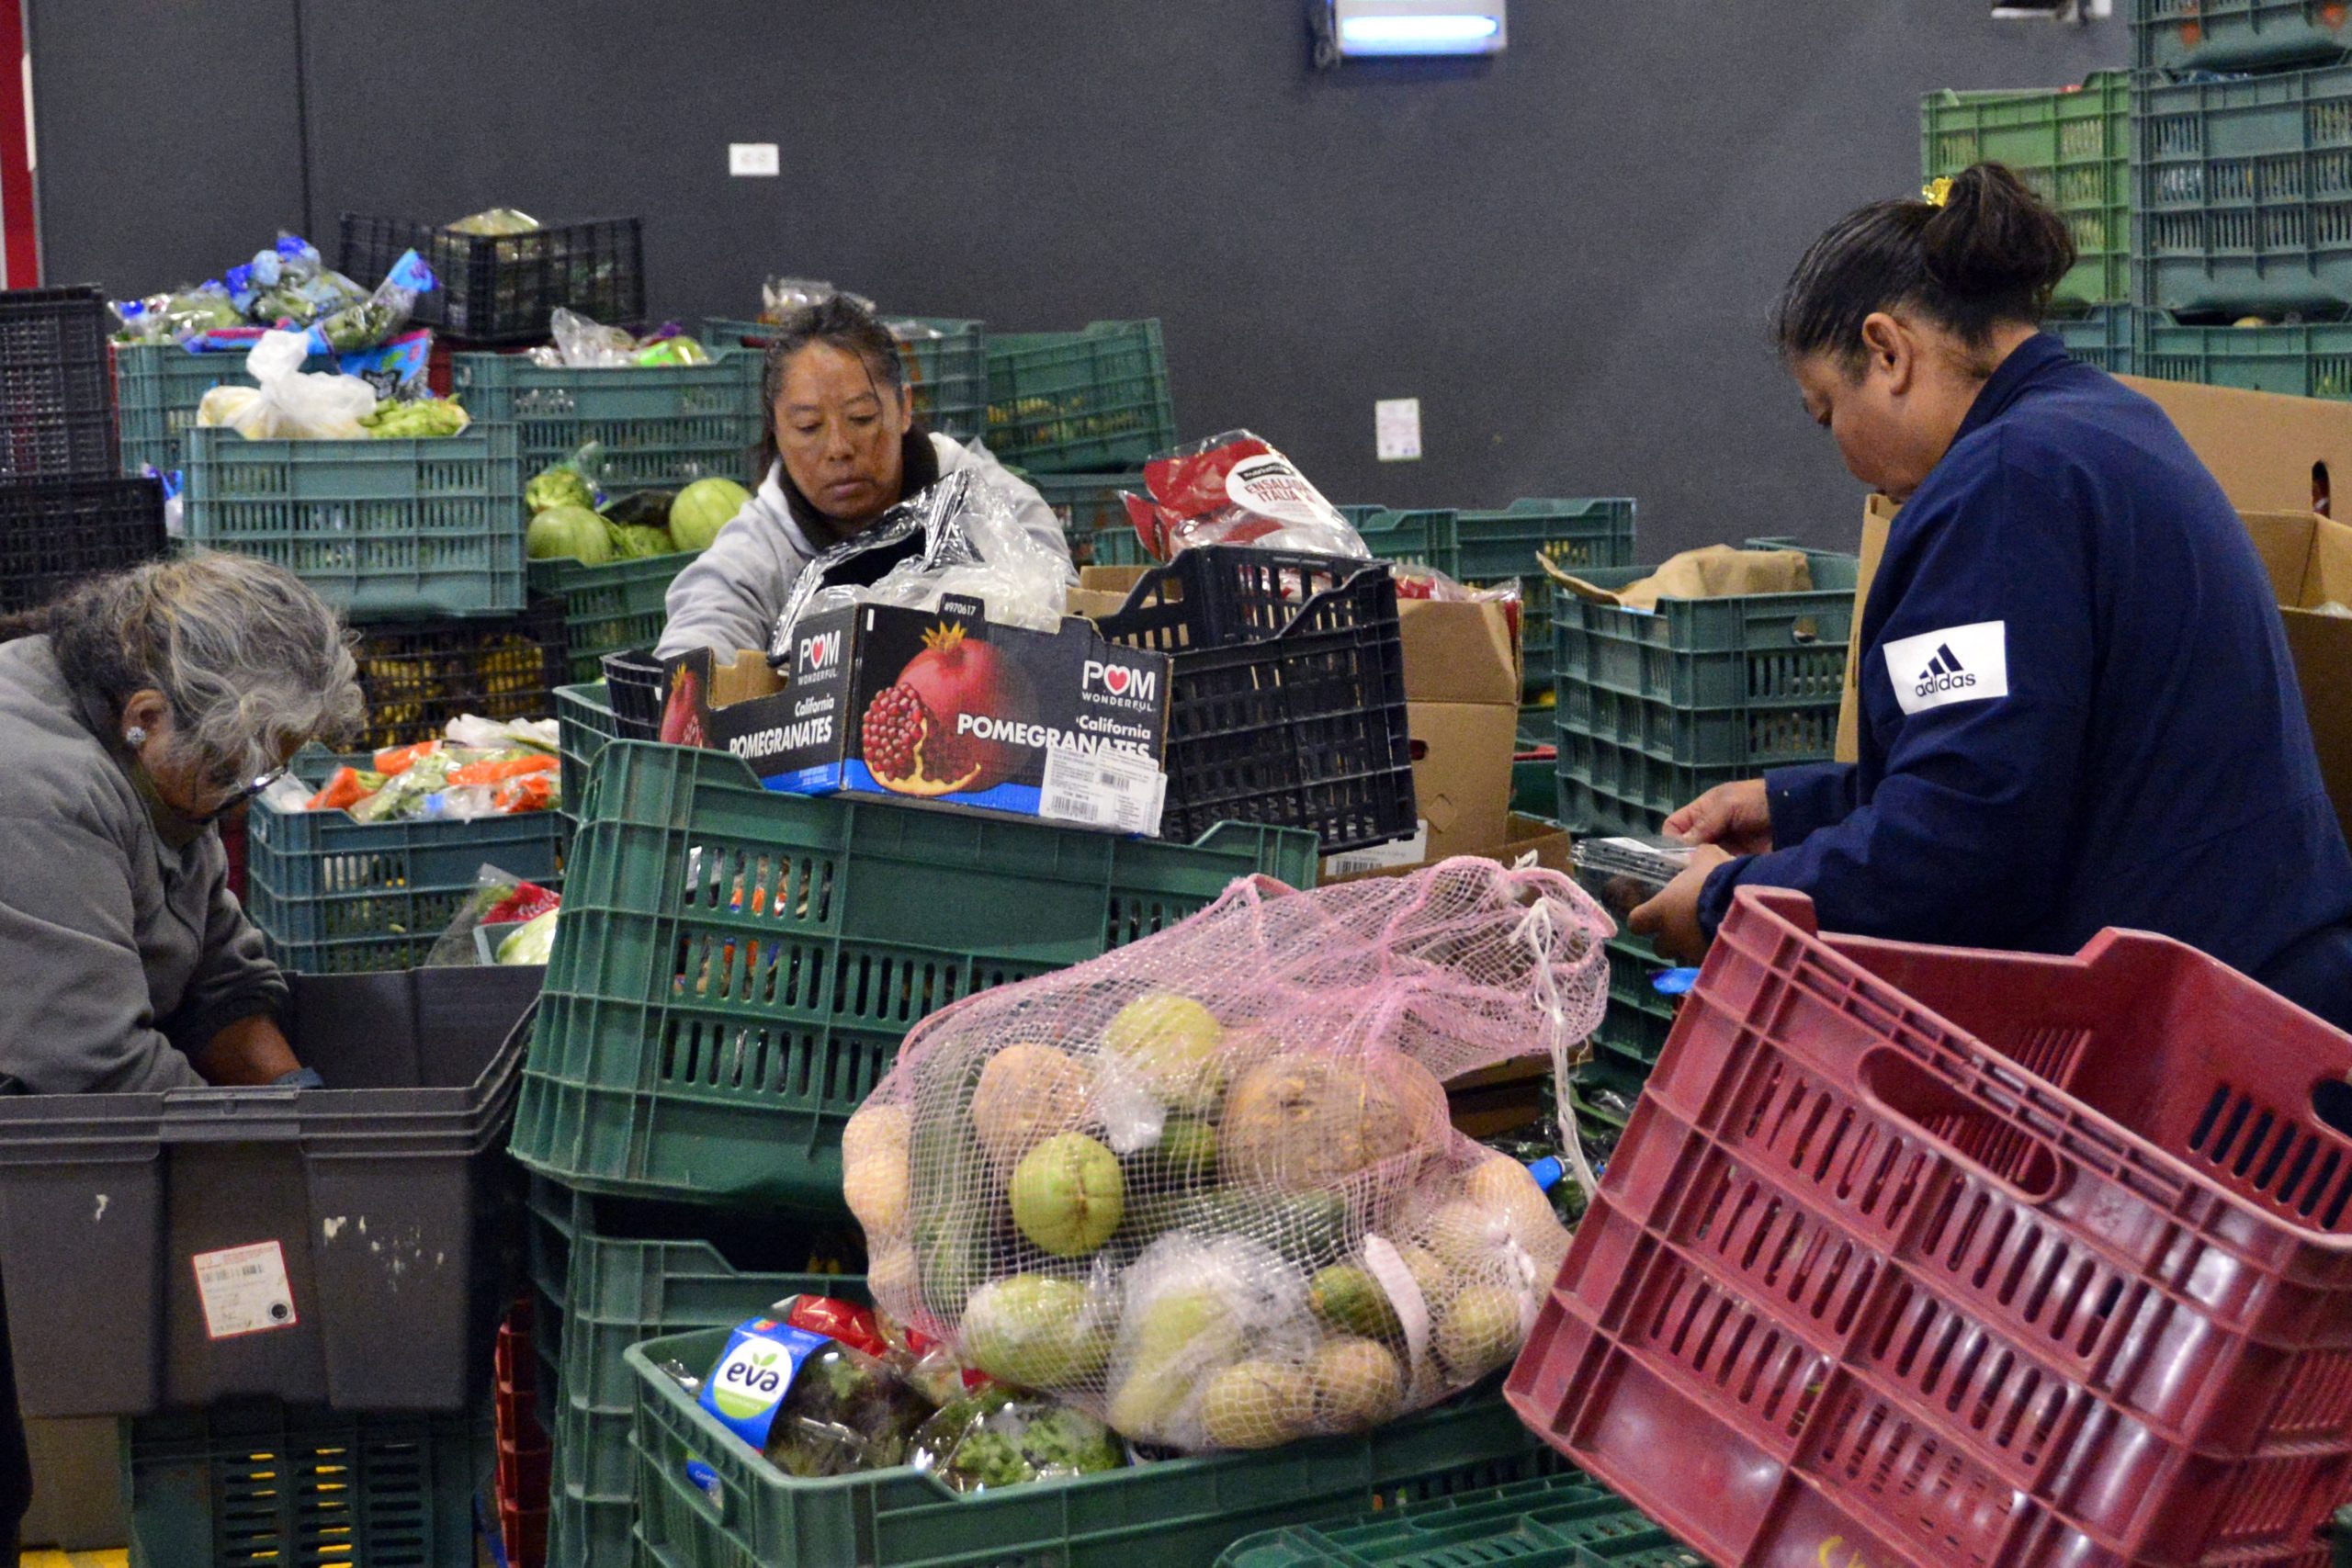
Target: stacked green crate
{"x":1486,"y":550}
{"x":2072,"y":146}
{"x":1656,"y":708}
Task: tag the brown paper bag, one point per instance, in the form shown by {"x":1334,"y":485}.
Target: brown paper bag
{"x":1718,"y":571}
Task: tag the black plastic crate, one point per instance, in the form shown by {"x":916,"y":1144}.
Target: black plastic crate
{"x":344,"y":1246}
{"x":260,"y":1483}
{"x":56,"y":385}
{"x":501,"y":288}
{"x":417,"y":675}
{"x":56,"y":533}
{"x":633,"y":686}
{"x":1287,"y":701}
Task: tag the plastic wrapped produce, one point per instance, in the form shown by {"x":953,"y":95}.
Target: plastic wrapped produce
{"x":364,"y":323}
{"x":997,"y":1439}
{"x":288,"y":403}
{"x":1205,"y":1187}
{"x":807,"y":1387}
{"x":1235,"y":489}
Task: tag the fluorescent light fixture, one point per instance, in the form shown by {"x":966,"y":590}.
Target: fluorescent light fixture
{"x":1365,"y":28}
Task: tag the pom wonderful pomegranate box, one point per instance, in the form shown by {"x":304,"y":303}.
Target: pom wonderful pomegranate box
{"x":941,"y":707}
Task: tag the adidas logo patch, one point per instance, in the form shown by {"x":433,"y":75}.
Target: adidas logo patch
{"x":1944,"y":673}
{"x":1958,"y":664}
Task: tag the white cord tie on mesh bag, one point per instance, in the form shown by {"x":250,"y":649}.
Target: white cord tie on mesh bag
{"x":1536,"y":931}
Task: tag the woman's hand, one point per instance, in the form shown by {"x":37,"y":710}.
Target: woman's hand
{"x":249,"y":1051}
{"x":1672,"y":919}
{"x":1737,"y":817}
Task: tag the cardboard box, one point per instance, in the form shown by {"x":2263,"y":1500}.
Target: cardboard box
{"x":2271,"y":453}
{"x":1067,"y":726}
{"x":2310,"y":560}
{"x":1878,"y":516}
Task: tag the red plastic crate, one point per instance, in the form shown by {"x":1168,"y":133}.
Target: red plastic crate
{"x":524,"y":1454}
{"x":1951,"y":1259}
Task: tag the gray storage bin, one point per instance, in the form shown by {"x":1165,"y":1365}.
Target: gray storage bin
{"x":388,"y":1195}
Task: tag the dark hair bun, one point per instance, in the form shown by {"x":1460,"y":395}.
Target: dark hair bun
{"x":1994,"y":239}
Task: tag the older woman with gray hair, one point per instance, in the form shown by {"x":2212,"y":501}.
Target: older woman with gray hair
{"x":134,"y":714}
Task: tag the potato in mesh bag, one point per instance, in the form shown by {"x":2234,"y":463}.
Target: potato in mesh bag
{"x":1205,"y":1188}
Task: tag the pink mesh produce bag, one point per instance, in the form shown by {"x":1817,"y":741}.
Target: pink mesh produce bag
{"x":1206,"y":1187}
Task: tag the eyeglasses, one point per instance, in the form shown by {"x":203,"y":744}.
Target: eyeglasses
{"x":244,"y":794}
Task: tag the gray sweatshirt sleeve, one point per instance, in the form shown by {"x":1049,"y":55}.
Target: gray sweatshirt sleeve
{"x":732,"y":594}
{"x":78,"y":1019}
{"x":236,"y":978}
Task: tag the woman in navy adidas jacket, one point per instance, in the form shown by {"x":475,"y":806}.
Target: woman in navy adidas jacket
{"x":2077,"y":706}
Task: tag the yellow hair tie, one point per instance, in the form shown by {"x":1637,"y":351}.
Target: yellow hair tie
{"x":1936,"y":192}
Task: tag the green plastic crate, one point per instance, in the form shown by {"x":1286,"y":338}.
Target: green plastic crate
{"x":1080,"y":402}
{"x":336,"y":896}
{"x":688,"y":1048}
{"x":620,"y":605}
{"x":659,"y":424}
{"x":584,"y":722}
{"x":947,"y":374}
{"x":2106,"y":336}
{"x":253,"y":1484}
{"x":157,"y":389}
{"x":2300,"y":361}
{"x":1608,"y":789}
{"x":1483,"y":549}
{"x":1764,"y":734}
{"x":1536,"y":788}
{"x":1175,"y":1514}
{"x":1655,"y":709}
{"x":1554,"y":1521}
{"x":632,"y":1272}
{"x":2212,"y":35}
{"x":1740,"y":651}
{"x":2071,"y":145}
{"x":1638,"y":1019}
{"x":1089,"y":507}
{"x":375,"y":527}
{"x":2245,"y":193}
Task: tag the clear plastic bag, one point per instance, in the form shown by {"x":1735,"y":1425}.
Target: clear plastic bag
{"x":779,"y":297}
{"x":996,"y":1438}
{"x":1206,"y":1187}
{"x":960,"y":537}
{"x":581,"y":344}
{"x":288,"y":402}
{"x":366,"y":323}
{"x":495,"y":221}
{"x":498,"y":896}
{"x":1236,"y":488}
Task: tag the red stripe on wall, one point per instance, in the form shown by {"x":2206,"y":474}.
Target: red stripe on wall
{"x":19,"y":231}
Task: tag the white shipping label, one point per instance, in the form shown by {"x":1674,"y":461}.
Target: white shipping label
{"x":243,"y":1290}
{"x":1382,"y":857}
{"x":1103,"y":789}
{"x":1961,"y":664}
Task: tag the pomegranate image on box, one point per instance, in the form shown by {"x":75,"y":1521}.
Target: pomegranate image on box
{"x":913,"y":741}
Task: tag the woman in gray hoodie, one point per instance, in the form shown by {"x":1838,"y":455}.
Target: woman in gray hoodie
{"x":840,"y":447}
{"x":134,"y":714}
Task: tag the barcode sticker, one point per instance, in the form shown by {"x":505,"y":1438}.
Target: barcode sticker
{"x":1382,"y":857}
{"x":1103,"y":789}
{"x":243,"y":1290}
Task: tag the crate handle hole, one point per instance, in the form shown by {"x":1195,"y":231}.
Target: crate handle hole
{"x":2013,"y":1157}
{"x":1806,"y":631}
{"x":2331,"y":1103}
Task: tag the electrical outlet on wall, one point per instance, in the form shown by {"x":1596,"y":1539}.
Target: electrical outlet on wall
{"x":1396,"y":429}
{"x":752,"y":158}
